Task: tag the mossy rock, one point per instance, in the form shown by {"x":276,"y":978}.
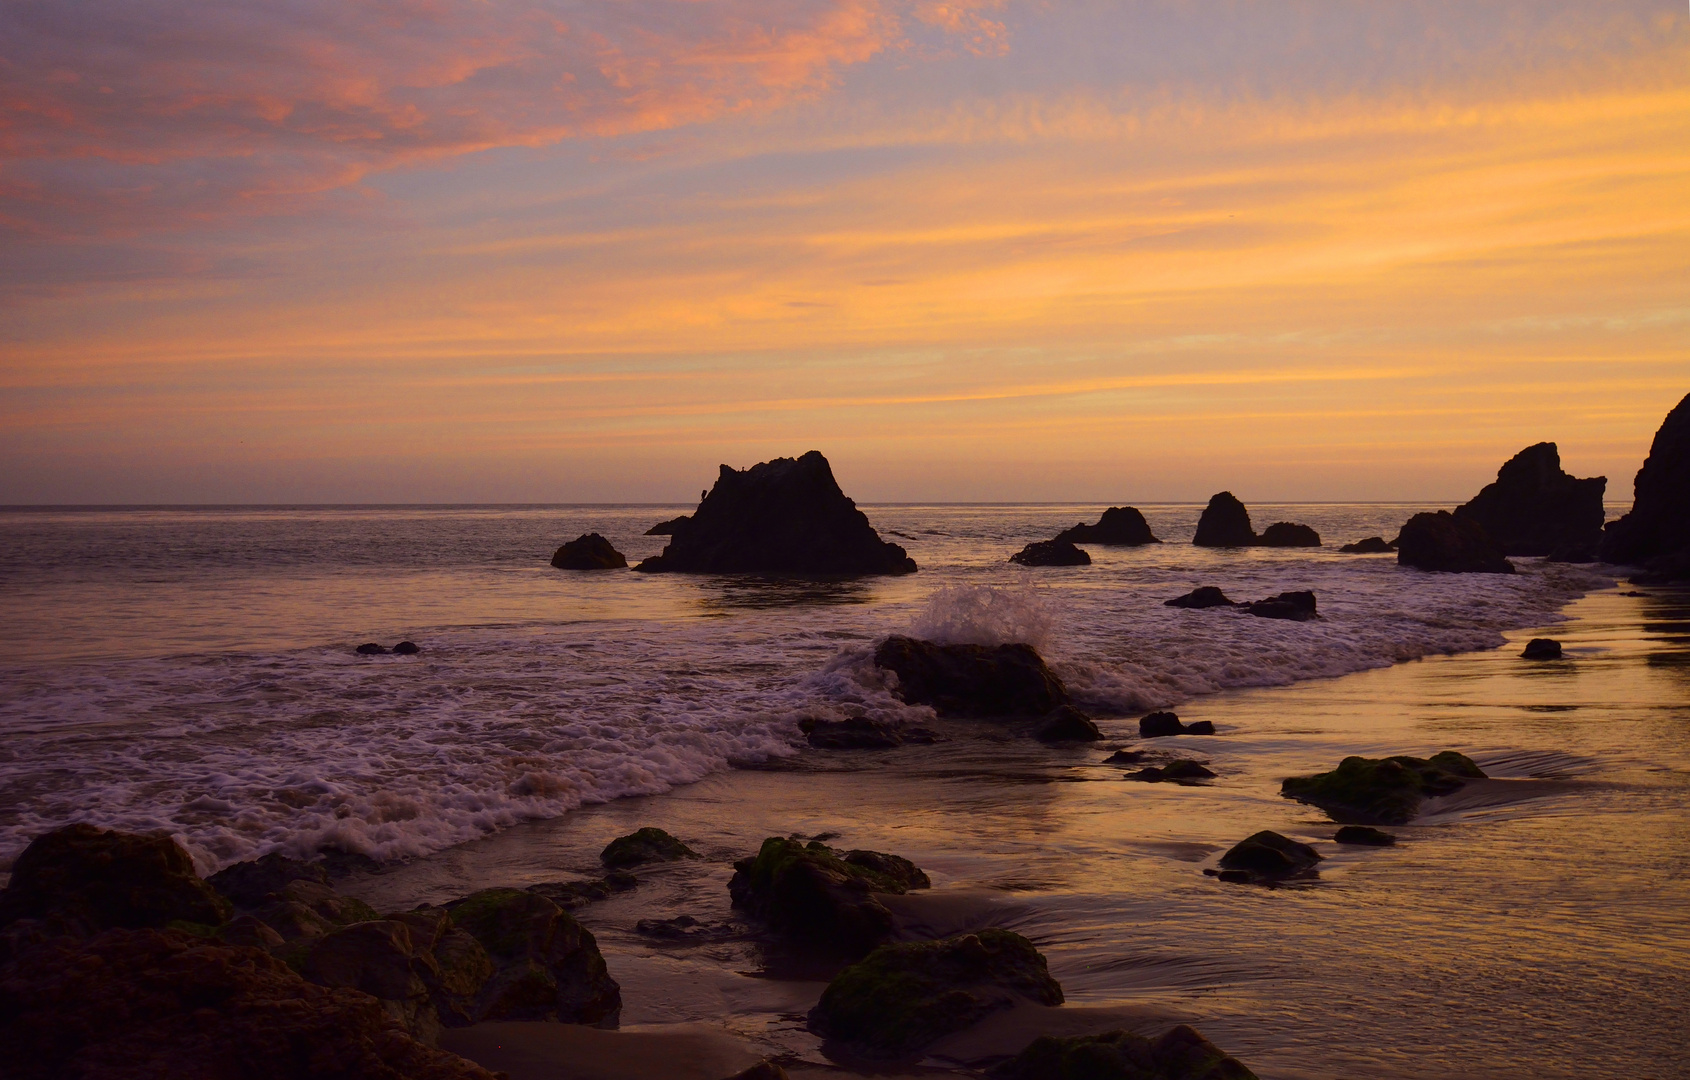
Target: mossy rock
{"x":90,"y":879}
{"x":814,"y":895}
{"x":1178,"y":1054}
{"x":1381,"y":791}
{"x":646,"y":845}
{"x":904,"y":996}
{"x":547,"y":965}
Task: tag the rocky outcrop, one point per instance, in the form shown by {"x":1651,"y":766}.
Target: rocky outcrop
{"x":1655,"y":533}
{"x":1051,"y":553}
{"x":1066,"y":724}
{"x":1286,"y":534}
{"x":1449,"y":544}
{"x":822,"y":898}
{"x":1179,"y":771}
{"x":971,"y":680}
{"x":1381,"y":791}
{"x":647,"y":845}
{"x":902,"y":997}
{"x":1542,"y":648}
{"x":547,"y":966}
{"x":589,"y":551}
{"x":570,"y":895}
{"x":861,"y":733}
{"x":82,"y":879}
{"x":1225,"y":523}
{"x":1373,"y":545}
{"x":141,"y":1004}
{"x":380,"y":959}
{"x":667,"y":528}
{"x":1267,"y":857}
{"x":1296,"y":606}
{"x":785,"y":516}
{"x":1178,"y":1054}
{"x":407,"y":648}
{"x":252,"y":884}
{"x":1204,"y":596}
{"x":1120,"y":526}
{"x":371,"y":648}
{"x":1363,"y":836}
{"x":1161,"y":724}
{"x":1534,"y":508}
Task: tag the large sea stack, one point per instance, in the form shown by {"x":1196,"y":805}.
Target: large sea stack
{"x":1535,"y":508}
{"x":1120,"y":526}
{"x":785,"y":516}
{"x":1449,"y":544}
{"x":1656,"y":533}
{"x":1225,"y":523}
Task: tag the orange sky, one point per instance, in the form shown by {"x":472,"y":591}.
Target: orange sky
{"x":444,"y":250}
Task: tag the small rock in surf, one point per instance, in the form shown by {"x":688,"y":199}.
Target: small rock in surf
{"x":1067,"y":724}
{"x":1451,"y":545}
{"x":1382,"y":791}
{"x":1051,"y":553}
{"x":589,"y":551}
{"x":1205,"y":596}
{"x":1120,"y":526}
{"x":1373,"y":545}
{"x":1267,"y":857}
{"x":1542,"y":648}
{"x":1364,"y":835}
{"x":971,"y":680}
{"x":370,"y":648}
{"x":1286,"y":534}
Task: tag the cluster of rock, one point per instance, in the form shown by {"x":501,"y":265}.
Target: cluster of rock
{"x":1382,"y":791}
{"x":1007,"y":682}
{"x":376,"y":648}
{"x":1120,"y":526}
{"x":1655,"y":533}
{"x":1266,"y":858}
{"x":1226,"y":524}
{"x":1296,"y":605}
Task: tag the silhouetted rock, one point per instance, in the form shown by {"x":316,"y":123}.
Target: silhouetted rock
{"x":142,"y":1004}
{"x":259,"y":881}
{"x":407,"y":648}
{"x":1126,"y":757}
{"x":1225,"y":523}
{"x":1373,"y":545}
{"x":370,"y":648}
{"x":861,"y":733}
{"x":785,"y":516}
{"x":1364,"y":835}
{"x":1665,"y":569}
{"x":902,"y":997}
{"x":667,"y":528}
{"x":647,"y":845}
{"x":83,"y":879}
{"x":1159,"y":724}
{"x":1051,"y":553}
{"x":1180,"y":770}
{"x":1120,"y":526}
{"x":1542,"y":648}
{"x":1178,"y":1054}
{"x":1449,"y":544}
{"x":1534,"y":508}
{"x":547,"y":966}
{"x":1067,"y":724}
{"x":380,"y":959}
{"x":1205,"y":596}
{"x":589,"y":551}
{"x":1287,"y":534}
{"x":810,"y":894}
{"x":1267,"y":856}
{"x":1296,"y":606}
{"x":1381,"y":791}
{"x":971,"y":680}
{"x":1200,"y":727}
{"x":1658,"y":525}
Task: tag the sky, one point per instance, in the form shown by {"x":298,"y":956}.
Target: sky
{"x":972,"y":250}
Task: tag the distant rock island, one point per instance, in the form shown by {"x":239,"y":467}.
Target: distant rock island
{"x":1226,"y":523}
{"x":1535,"y":508}
{"x":1120,"y":526}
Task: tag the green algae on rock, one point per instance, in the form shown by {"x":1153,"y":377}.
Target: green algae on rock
{"x":818,"y":896}
{"x":645,"y":845}
{"x":903,"y":996}
{"x":89,"y":879}
{"x":1381,"y":791}
{"x":548,"y":966}
{"x":1178,"y":1054}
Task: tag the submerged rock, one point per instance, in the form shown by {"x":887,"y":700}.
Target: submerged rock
{"x":1126,"y":757}
{"x":902,"y":997}
{"x":1287,"y":534}
{"x":1364,"y":836}
{"x":1449,"y":544}
{"x":371,"y":648}
{"x":971,"y":680}
{"x":1178,"y":1054}
{"x":1051,"y":553}
{"x":84,"y":879}
{"x":1373,"y":545}
{"x":785,"y":516}
{"x":1204,"y":596}
{"x":1180,"y":770}
{"x":668,"y":528}
{"x":589,"y":551}
{"x":1296,"y":606}
{"x":1381,"y":791}
{"x":257,"y":882}
{"x":1265,"y":857}
{"x":1225,"y":523}
{"x":1542,"y":648}
{"x":1120,"y":526}
{"x":1067,"y":724}
{"x":861,"y":733}
{"x":547,"y":965}
{"x":810,"y":894}
{"x":407,"y":648}
{"x":1534,"y":508}
{"x":1658,"y":525}
{"x":647,"y":845}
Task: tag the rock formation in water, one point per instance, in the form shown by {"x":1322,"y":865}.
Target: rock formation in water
{"x":1266,"y":857}
{"x":647,"y":845}
{"x":1204,"y":596}
{"x":1655,"y":533}
{"x":1161,"y":724}
{"x":1051,"y":553}
{"x":1373,"y":545}
{"x":1542,"y":648}
{"x":1534,"y":508}
{"x":667,"y":528}
{"x":82,"y":879}
{"x":785,"y":516}
{"x":1177,"y":1054}
{"x":1364,"y":836}
{"x":822,"y":898}
{"x":972,"y":680}
{"x":1225,"y":523}
{"x":1120,"y":526}
{"x":1449,"y":544}
{"x":1066,"y":724}
{"x":590,"y":551}
{"x":1296,"y":606}
{"x":861,"y":733}
{"x":1382,"y":791}
{"x":1288,"y":534}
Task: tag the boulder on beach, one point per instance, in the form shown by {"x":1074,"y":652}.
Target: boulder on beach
{"x":785,"y":516}
{"x":381,"y":959}
{"x":903,"y":997}
{"x":83,"y":879}
{"x":1296,"y":606}
{"x":819,"y":897}
{"x":547,"y":965}
{"x":1535,"y":508}
{"x":1542,"y":648}
{"x":1225,"y":523}
{"x":1373,"y":545}
{"x":254,"y":883}
{"x":1381,"y":791}
{"x":1066,"y":724}
{"x":1204,"y":596}
{"x":861,"y":733}
{"x":971,"y":680}
{"x":647,"y":845}
{"x":1286,"y":534}
{"x":1177,"y":1054}
{"x":1051,"y":553}
{"x":1364,"y":836}
{"x":667,"y":528}
{"x":305,"y":908}
{"x":589,"y":551}
{"x":1446,"y":543}
{"x":164,"y":1003}
{"x":1266,"y":857}
{"x":1120,"y":526}
{"x":1655,"y":532}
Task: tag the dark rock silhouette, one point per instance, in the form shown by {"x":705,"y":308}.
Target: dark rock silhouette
{"x":1534,"y":508}
{"x":407,"y":648}
{"x":371,"y":648}
{"x":1542,"y":648}
{"x":1373,"y":545}
{"x":1225,"y":523}
{"x":902,"y":997}
{"x":1180,"y":770}
{"x":1051,"y":553}
{"x":589,"y":551}
{"x":1364,"y":835}
{"x":1158,"y":725}
{"x":816,"y":896}
{"x":971,"y":680}
{"x":1449,"y":544}
{"x":1067,"y":724}
{"x":1178,"y":1054}
{"x":668,"y":528}
{"x":861,"y":733}
{"x":1120,"y":526}
{"x":1655,"y":533}
{"x":1266,"y":857}
{"x":647,"y":845}
{"x":1296,"y":606}
{"x":547,"y":965}
{"x":1382,"y":791}
{"x":1205,"y":596}
{"x":1288,"y":534}
{"x":785,"y":516}
{"x":83,"y":879}
{"x":380,"y":959}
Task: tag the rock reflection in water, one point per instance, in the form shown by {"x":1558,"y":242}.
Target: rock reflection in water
{"x":756,"y":593}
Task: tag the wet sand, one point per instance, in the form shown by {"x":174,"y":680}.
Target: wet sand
{"x":1536,"y":925}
